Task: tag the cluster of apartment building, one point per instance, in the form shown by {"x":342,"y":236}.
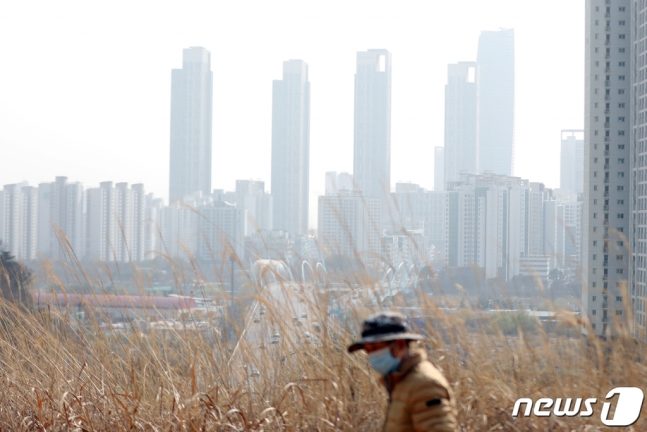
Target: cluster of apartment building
{"x":121,"y":222}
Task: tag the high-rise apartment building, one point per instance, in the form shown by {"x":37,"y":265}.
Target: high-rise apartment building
{"x":439,"y":169}
{"x":61,"y":220}
{"x":372,"y":140}
{"x":484,"y":223}
{"x":495,"y":78}
{"x":607,"y":158}
{"x":177,"y":231}
{"x":461,"y":149}
{"x":291,"y":148}
{"x":414,"y":208}
{"x":102,"y":226}
{"x":220,"y":232}
{"x":635,"y":27}
{"x":571,"y":167}
{"x":137,"y":245}
{"x":258,"y":205}
{"x":349,"y":226}
{"x":191,"y":119}
{"x":19,"y":231}
{"x":29,"y":229}
{"x":152,"y":243}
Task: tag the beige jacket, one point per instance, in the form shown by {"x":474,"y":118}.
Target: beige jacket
{"x":420,"y":398}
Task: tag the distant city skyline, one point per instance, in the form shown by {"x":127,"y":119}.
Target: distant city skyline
{"x":105,"y":115}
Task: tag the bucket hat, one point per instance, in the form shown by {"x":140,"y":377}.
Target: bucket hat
{"x":383,"y":327}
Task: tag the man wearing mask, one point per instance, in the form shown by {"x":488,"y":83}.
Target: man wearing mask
{"x":420,"y":398}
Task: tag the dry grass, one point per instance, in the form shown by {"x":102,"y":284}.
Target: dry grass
{"x":57,"y":374}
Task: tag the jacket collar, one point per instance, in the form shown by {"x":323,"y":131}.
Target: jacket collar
{"x":416,"y":356}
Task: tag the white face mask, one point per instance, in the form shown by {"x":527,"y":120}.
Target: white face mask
{"x":383,"y":361}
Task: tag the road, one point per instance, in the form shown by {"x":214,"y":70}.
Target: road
{"x":287,"y":318}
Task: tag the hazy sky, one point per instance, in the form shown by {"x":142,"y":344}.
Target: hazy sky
{"x":85,"y":86}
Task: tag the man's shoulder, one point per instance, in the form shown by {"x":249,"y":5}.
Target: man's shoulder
{"x":426,"y":372}
{"x":424,"y":377}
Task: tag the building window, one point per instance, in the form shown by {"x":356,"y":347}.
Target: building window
{"x":622,"y":50}
{"x":621,"y":105}
{"x":621,"y":215}
{"x":619,"y":271}
{"x":621,"y":202}
{"x":621,"y":160}
{"x":594,"y":312}
{"x":621,"y":133}
{"x":621,"y":146}
{"x":621,"y":188}
{"x":595,"y":243}
{"x":621,"y":36}
{"x":594,"y":298}
{"x":594,"y":256}
{"x":595,"y":160}
{"x":621,"y":174}
{"x":621,"y":9}
{"x":621,"y":119}
{"x":595,"y":187}
{"x":621,"y":77}
{"x":621,"y":23}
{"x":595,"y":119}
{"x":595,"y":173}
{"x":620,"y":257}
{"x":618,"y":298}
{"x":619,"y":312}
{"x":621,"y":243}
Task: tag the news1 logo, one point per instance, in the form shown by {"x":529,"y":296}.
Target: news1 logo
{"x":630,"y":401}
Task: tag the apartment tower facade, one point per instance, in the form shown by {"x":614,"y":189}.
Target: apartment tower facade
{"x":605,"y":263}
{"x":461,"y":150}
{"x":495,"y":77}
{"x":291,"y":148}
{"x":191,"y":119}
{"x":372,"y":138}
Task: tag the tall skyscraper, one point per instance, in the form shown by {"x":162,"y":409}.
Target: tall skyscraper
{"x":606,"y":162}
{"x":372,"y":148}
{"x":439,"y":169}
{"x":461,"y":151}
{"x":495,"y":77}
{"x":291,"y":148}
{"x":571,"y":173}
{"x":191,"y":117}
